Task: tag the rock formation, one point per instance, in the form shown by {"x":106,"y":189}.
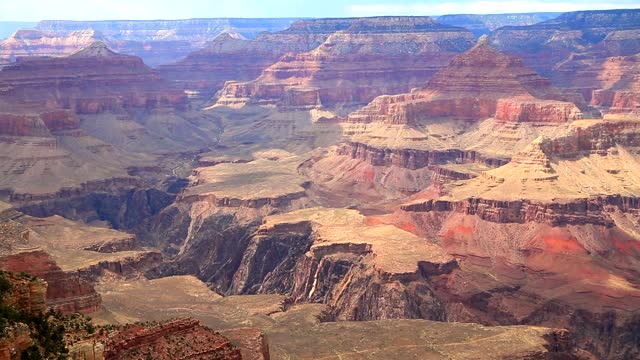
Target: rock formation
{"x":163,"y":41}
{"x":26,"y":295}
{"x":484,"y":24}
{"x":547,"y":44}
{"x":62,"y":116}
{"x":566,"y":202}
{"x":181,"y":338}
{"x":91,"y":80}
{"x":397,"y":141}
{"x":477,"y":84}
{"x":373,"y":56}
{"x":231,"y":57}
{"x":67,"y":292}
{"x":28,"y":42}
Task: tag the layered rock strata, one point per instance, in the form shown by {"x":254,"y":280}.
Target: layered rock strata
{"x":480,"y":24}
{"x":164,"y":41}
{"x":91,"y":80}
{"x":67,"y":292}
{"x":82,"y":121}
{"x":549,"y":43}
{"x":479,"y":84}
{"x":371,"y":57}
{"x":182,"y":338}
{"x":563,"y":203}
{"x":30,"y":42}
{"x":232,"y":57}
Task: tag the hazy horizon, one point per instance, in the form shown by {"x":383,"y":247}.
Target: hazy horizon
{"x":96,"y":10}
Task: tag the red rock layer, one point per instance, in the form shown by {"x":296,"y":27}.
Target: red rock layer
{"x":411,"y":158}
{"x":177,"y":339}
{"x":42,"y":124}
{"x":27,"y":295}
{"x":477,"y":84}
{"x":373,"y":56}
{"x":67,"y":292}
{"x":230,"y":57}
{"x":89,"y":81}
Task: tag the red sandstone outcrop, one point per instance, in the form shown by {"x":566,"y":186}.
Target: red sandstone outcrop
{"x":548,"y":44}
{"x":373,"y":56}
{"x":477,"y":84}
{"x":176,"y":339}
{"x":27,"y":295}
{"x":67,"y":292}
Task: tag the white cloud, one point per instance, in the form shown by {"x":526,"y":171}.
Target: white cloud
{"x":481,"y":7}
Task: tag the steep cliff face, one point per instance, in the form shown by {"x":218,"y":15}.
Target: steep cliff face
{"x":185,"y":338}
{"x":371,"y":57}
{"x":27,"y":294}
{"x":67,"y":292}
{"x":86,"y":121}
{"x":212,"y":220}
{"x":232,"y":57}
{"x":563,"y":203}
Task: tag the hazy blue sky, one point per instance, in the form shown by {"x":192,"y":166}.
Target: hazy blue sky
{"x":33,"y":10}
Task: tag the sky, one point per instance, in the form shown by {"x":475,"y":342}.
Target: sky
{"x":35,"y":10}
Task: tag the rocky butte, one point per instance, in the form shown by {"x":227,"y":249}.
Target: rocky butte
{"x":475,"y":113}
{"x":230,"y":56}
{"x":373,"y":56}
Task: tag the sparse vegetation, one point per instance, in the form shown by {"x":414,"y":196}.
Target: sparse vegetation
{"x":47,"y":330}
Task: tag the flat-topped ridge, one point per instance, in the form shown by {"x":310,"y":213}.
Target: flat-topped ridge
{"x":96,"y":49}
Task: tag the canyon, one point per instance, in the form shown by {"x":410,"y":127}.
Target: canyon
{"x":156,"y":42}
{"x":463,"y":186}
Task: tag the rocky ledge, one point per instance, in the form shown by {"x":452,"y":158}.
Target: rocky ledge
{"x":176,"y":339}
{"x":334,"y":256}
{"x":263,"y":182}
{"x":67,"y":292}
{"x":540,"y":182}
